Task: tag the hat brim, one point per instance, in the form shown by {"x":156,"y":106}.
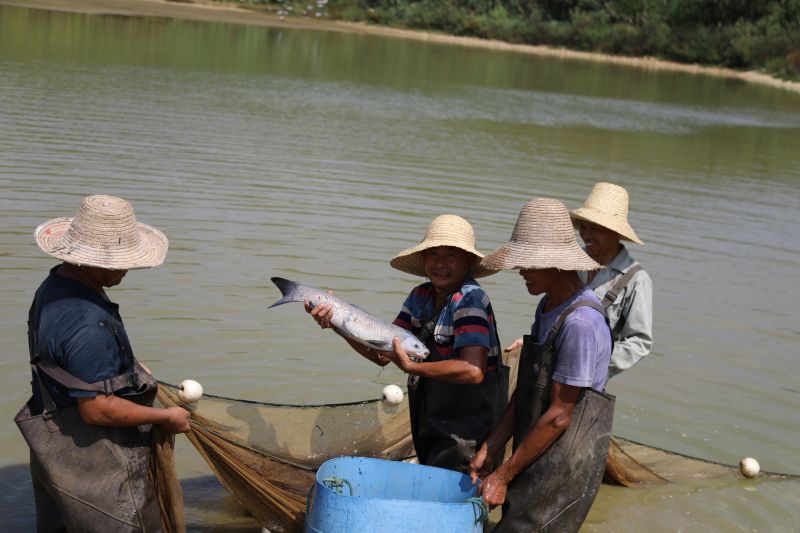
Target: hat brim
{"x":615,"y":224}
{"x":151,"y":251}
{"x":411,"y":260}
{"x":514,"y":255}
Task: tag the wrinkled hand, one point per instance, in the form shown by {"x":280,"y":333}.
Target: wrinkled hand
{"x":178,"y":421}
{"x":322,"y":313}
{"x":477,"y":466}
{"x":399,"y":356}
{"x":514,"y":345}
{"x":494,"y":488}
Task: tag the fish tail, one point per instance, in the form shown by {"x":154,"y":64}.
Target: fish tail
{"x":289,"y":290}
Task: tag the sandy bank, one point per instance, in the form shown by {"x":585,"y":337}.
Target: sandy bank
{"x":206,"y":11}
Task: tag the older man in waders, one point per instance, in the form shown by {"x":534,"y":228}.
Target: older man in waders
{"x":88,"y":423}
{"x":623,"y":286}
{"x":559,"y":416}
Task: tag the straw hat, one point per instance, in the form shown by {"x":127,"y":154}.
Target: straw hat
{"x":104,"y":233}
{"x":543,"y":237}
{"x":607,"y":206}
{"x":445,"y":230}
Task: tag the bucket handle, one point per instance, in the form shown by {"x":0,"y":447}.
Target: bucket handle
{"x":483,"y":510}
{"x":336,"y":483}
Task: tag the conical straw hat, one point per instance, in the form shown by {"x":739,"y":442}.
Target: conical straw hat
{"x":104,"y":233}
{"x":607,"y":206}
{"x":543,"y":237}
{"x":445,"y":230}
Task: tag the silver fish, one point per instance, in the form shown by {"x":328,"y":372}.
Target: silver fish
{"x":352,"y":321}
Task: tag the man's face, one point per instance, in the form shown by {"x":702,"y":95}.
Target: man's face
{"x":600,"y":242}
{"x":111,"y":278}
{"x":538,"y":280}
{"x":446,"y":266}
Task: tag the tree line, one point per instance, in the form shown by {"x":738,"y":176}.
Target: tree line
{"x":740,"y":34}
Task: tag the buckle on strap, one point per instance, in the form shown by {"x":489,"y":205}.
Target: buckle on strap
{"x":108,"y":387}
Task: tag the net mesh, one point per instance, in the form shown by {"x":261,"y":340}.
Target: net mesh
{"x":266,"y":454}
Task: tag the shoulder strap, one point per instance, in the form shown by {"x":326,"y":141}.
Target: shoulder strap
{"x":559,"y":323}
{"x":106,"y":386}
{"x":619,"y":285}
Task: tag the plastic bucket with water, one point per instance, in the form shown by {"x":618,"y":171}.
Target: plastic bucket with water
{"x":359,"y":494}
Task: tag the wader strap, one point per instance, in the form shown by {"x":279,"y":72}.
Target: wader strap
{"x":619,"y":286}
{"x":556,"y":328}
{"x":106,"y":386}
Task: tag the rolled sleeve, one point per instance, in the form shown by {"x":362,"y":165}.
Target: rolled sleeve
{"x":471,"y":321}
{"x":93,"y":355}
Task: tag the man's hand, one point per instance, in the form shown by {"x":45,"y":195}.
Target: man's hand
{"x":494,"y":488}
{"x":399,"y":356}
{"x":477,"y":466}
{"x":514,"y":345}
{"x":177,"y":421}
{"x":322,"y":313}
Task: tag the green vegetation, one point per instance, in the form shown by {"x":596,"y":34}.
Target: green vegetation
{"x":740,"y":34}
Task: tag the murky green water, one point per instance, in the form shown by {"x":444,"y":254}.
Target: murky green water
{"x":317,"y":156}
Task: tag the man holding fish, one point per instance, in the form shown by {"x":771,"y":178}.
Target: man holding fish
{"x":457,"y":394}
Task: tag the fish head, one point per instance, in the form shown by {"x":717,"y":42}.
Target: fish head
{"x":415,"y":347}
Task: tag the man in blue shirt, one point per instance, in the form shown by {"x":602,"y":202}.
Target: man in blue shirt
{"x":92,"y":404}
{"x":558,"y":415}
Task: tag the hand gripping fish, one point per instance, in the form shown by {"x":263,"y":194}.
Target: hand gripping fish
{"x":352,"y":321}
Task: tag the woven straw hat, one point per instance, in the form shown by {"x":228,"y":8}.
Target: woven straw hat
{"x":104,"y":233}
{"x":543,"y":237}
{"x":445,"y":230}
{"x":607,"y":206}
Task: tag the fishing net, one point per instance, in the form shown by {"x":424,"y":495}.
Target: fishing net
{"x":266,"y":454}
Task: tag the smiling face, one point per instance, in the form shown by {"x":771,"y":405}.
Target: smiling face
{"x":447,"y":267}
{"x":602,"y":244}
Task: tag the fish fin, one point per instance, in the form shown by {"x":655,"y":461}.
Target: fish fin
{"x":380,"y":345}
{"x":287,"y":288}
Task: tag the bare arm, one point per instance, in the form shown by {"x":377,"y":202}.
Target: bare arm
{"x":468,"y":368}
{"x":114,"y":411}
{"x":547,"y":429}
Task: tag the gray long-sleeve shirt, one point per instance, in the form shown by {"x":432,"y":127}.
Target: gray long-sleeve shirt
{"x":631,"y":314}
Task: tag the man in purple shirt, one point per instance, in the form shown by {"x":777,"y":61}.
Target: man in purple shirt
{"x":559,"y":416}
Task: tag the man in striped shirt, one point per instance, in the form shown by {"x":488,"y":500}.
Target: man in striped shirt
{"x":459,"y":392}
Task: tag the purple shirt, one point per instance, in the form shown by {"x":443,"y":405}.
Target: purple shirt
{"x":583,"y":346}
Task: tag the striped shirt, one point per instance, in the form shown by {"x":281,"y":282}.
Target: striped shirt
{"x":466,"y":319}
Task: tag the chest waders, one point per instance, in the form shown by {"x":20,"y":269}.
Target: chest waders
{"x":449,"y":420}
{"x":557,"y":490}
{"x":87,"y":478}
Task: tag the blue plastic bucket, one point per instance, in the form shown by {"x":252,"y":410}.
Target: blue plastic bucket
{"x":359,"y":494}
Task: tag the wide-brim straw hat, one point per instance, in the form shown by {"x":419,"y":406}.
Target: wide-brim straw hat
{"x":543,"y":237}
{"x":445,"y":230}
{"x":103,"y":233}
{"x":607,"y":206}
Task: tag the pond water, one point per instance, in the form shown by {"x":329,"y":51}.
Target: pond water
{"x":317,"y":156}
